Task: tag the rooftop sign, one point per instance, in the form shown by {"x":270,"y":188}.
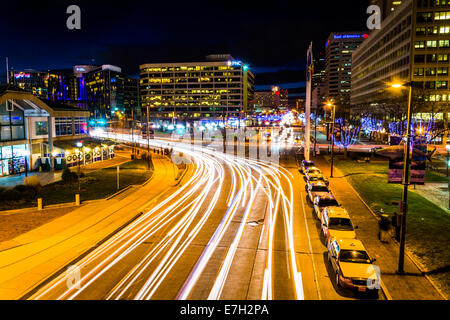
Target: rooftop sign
{"x":350,"y":36}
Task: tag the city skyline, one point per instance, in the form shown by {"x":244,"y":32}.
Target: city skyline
{"x":273,"y":42}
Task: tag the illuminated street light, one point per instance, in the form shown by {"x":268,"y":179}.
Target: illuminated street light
{"x":406,"y":162}
{"x":333,"y":107}
{"x":448,"y":157}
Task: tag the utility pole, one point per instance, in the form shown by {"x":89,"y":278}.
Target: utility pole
{"x":315,"y":132}
{"x":332,"y":138}
{"x":309,"y":73}
{"x":132,"y":133}
{"x":448,"y":156}
{"x":7,"y":71}
{"x":148,"y":139}
{"x":401,"y":260}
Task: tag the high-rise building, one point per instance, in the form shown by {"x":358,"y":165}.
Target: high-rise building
{"x":280,"y":98}
{"x":105,"y":91}
{"x":300,"y":105}
{"x":131,"y":97}
{"x":263,"y":100}
{"x":319,"y":74}
{"x":387,"y":6}
{"x":219,"y":88}
{"x":338,"y":62}
{"x":31,"y":81}
{"x":414,"y":41}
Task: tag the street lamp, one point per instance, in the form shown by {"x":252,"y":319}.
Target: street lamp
{"x":448,"y":156}
{"x":404,"y":204}
{"x":79,"y":146}
{"x":333,"y":108}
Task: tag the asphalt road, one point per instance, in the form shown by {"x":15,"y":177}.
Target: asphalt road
{"x":238,"y":228}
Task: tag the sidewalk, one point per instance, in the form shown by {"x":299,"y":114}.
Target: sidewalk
{"x":51,"y":177}
{"x":44,"y":177}
{"x":411,"y":286}
{"x":30,"y":258}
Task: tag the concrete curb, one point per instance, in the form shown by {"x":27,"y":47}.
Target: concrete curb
{"x":408,"y":253}
{"x":182,"y":176}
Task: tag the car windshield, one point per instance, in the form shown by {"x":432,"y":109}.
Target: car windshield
{"x":308,"y":164}
{"x":328,"y":203}
{"x":319,"y":189}
{"x":340,"y":224}
{"x":314,"y":172}
{"x":354,"y":256}
{"x":316,"y":178}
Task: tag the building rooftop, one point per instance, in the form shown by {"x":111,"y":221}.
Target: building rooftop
{"x":27,"y":101}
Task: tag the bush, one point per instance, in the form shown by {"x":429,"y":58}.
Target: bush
{"x":11,"y":195}
{"x":26,"y":192}
{"x":67,"y":175}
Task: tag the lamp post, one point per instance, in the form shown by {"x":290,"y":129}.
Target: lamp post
{"x":448,"y":156}
{"x":132,"y":133}
{"x":79,"y":146}
{"x":315,"y":132}
{"x":406,"y":163}
{"x":148,"y":138}
{"x":333,"y":108}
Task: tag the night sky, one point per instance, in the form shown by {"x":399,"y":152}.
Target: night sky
{"x":272,"y":37}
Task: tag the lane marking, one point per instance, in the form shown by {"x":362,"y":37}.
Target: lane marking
{"x":310,"y":248}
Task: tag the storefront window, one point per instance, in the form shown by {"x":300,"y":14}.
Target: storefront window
{"x":63,"y":126}
{"x":12,"y":159}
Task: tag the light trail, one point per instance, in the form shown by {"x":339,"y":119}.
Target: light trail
{"x":184,"y":214}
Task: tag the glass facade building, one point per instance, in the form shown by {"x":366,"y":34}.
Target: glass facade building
{"x":414,"y":42}
{"x":212,"y":89}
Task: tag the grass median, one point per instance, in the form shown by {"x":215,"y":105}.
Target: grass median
{"x":98,"y":184}
{"x":427,"y":224}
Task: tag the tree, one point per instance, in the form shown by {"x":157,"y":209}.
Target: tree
{"x":348,"y":135}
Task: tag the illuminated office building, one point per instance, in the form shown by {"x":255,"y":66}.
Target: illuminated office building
{"x":131,"y":97}
{"x":338,"y":67}
{"x":387,"y":6}
{"x":31,"y":81}
{"x":105,"y":91}
{"x":280,"y":98}
{"x":385,"y":57}
{"x":319,"y":74}
{"x":219,"y":88}
{"x":263,"y":101}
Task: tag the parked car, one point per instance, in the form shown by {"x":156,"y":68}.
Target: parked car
{"x":352,"y":265}
{"x":311,"y":172}
{"x":316,"y":177}
{"x":317,"y":188}
{"x":305,"y":165}
{"x":336,"y":223}
{"x":324,"y":201}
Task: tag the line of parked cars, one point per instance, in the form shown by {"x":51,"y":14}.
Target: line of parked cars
{"x":353,"y":267}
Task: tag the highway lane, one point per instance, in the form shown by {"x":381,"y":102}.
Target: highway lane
{"x":237,"y":229}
